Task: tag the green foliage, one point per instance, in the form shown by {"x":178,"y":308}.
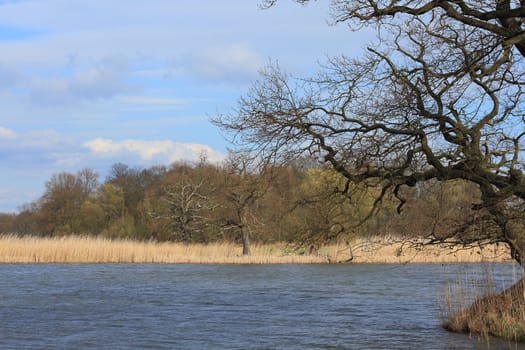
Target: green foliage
{"x":92,"y":217}
{"x":303,"y":203}
{"x":123,"y":227}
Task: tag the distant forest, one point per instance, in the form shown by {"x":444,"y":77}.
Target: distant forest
{"x":303,"y":202}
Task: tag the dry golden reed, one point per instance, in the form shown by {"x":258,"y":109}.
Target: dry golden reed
{"x":72,"y":249}
{"x":477,"y":308}
{"x":397,"y":251}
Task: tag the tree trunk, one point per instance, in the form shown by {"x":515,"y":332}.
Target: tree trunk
{"x":186,"y":235}
{"x":513,"y":230}
{"x":245,"y":242}
{"x":514,"y":233}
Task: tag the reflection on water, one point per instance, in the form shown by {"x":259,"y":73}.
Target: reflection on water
{"x":233,"y":306}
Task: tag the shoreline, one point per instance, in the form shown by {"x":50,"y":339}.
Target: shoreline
{"x":376,"y":250}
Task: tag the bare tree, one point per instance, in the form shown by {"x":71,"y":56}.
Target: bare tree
{"x":244,"y":185}
{"x":184,"y":204}
{"x":88,"y":181}
{"x":438,"y":98}
{"x":500,"y":18}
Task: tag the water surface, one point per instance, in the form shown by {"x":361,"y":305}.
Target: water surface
{"x":233,"y":306}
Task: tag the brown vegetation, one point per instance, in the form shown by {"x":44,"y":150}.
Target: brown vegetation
{"x":491,"y":314}
{"x":300,"y":204}
{"x":399,"y":251}
{"x":72,"y":249}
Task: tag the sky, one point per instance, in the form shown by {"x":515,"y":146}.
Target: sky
{"x":87,"y":84}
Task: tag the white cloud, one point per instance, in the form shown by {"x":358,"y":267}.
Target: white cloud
{"x":104,"y":80}
{"x":150,"y":151}
{"x":231,"y":63}
{"x":44,"y":140}
{"x":135,"y":71}
{"x":98,"y":83}
{"x":37,"y":148}
{"x":8,"y":134}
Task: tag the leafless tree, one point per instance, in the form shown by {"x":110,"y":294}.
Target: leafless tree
{"x":244,"y":185}
{"x":439,"y":97}
{"x":184,"y":203}
{"x":501,"y":18}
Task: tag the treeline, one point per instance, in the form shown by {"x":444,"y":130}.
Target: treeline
{"x":301,"y":202}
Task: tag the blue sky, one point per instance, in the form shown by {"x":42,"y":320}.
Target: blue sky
{"x":86,"y":84}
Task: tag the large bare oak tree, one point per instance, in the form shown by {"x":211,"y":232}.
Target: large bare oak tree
{"x":438,"y":97}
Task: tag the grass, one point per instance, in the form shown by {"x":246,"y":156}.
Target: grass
{"x":485,"y":312}
{"x":100,"y":250}
{"x":73,"y":249}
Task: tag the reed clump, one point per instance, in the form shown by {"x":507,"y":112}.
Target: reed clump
{"x":75,"y":249}
{"x":495,"y":314}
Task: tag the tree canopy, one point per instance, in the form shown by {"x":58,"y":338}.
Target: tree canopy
{"x":437,"y":97}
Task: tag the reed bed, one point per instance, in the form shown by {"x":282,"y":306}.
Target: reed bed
{"x":476,"y":307}
{"x":394,"y":250}
{"x":74,"y":249}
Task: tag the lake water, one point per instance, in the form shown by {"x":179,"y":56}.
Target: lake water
{"x":233,"y":306}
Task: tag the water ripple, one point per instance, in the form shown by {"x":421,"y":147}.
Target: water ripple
{"x":230,"y":306}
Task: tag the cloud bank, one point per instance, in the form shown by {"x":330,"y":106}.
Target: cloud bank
{"x":90,"y":83}
{"x":164,"y":152}
{"x":7,"y":134}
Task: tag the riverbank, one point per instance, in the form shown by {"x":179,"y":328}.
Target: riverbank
{"x":490,"y":314}
{"x":14,"y":249}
